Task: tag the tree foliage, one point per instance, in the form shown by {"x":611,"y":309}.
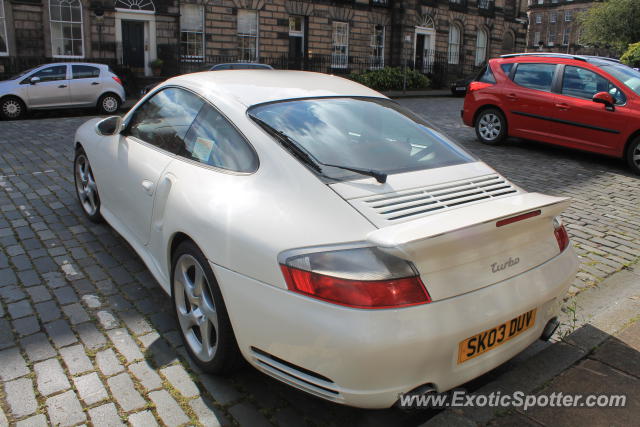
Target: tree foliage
{"x":632,"y":56}
{"x":614,"y":23}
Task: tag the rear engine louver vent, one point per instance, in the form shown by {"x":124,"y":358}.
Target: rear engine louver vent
{"x":409,"y":204}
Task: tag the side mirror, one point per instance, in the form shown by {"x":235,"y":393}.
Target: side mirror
{"x":606,"y":99}
{"x":109,"y":126}
{"x":34,"y":80}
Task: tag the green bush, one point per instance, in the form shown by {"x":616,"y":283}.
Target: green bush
{"x":391,"y":78}
{"x":632,"y":56}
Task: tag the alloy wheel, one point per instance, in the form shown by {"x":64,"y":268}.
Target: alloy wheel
{"x":110,"y":104}
{"x":489,"y":126}
{"x":86,"y":185}
{"x":196,"y":309}
{"x":11,"y":108}
{"x":635,"y":156}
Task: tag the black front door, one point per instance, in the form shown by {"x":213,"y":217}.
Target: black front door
{"x":296,"y":52}
{"x":419,"y":52}
{"x":133,"y":43}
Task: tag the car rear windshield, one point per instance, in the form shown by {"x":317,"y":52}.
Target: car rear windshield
{"x":627,"y":75}
{"x":365,"y":133}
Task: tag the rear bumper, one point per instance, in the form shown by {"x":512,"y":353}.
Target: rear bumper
{"x":366,"y":358}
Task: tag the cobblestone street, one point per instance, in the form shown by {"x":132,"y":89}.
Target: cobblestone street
{"x":88,"y":336}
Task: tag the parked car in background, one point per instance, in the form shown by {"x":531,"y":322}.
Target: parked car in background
{"x":61,"y":85}
{"x":584,"y":102}
{"x":330,"y":237}
{"x":459,"y":87}
{"x":220,"y":67}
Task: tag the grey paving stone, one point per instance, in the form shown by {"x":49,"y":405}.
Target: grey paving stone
{"x":90,"y":388}
{"x":13,"y":365}
{"x":39,"y":294}
{"x":39,"y":420}
{"x":65,"y":410}
{"x":146,"y":375}
{"x":48,"y":311}
{"x":90,"y":336}
{"x":37,"y":347}
{"x":108,"y":362}
{"x":180,"y":380}
{"x":142,"y":419}
{"x":125,"y":393}
{"x":76,"y":360}
{"x":135,"y":322}
{"x":91,"y":301}
{"x":105,"y":416}
{"x":168,"y":410}
{"x":125,"y":344}
{"x":50,"y":377}
{"x":207,"y":413}
{"x":19,"y":309}
{"x":107,"y":320}
{"x":75,"y":313}
{"x":7,"y":277}
{"x":248,"y":415}
{"x":11,"y":293}
{"x":220,"y":389}
{"x":21,"y":397}
{"x":6,"y":336}
{"x":159,"y":349}
{"x":26,"y":325}
{"x":60,"y":333}
{"x":65,"y":295}
{"x":29,"y":278}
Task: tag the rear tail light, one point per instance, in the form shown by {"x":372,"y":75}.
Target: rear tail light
{"x":360,"y":277}
{"x":478,"y":85}
{"x":117,"y":79}
{"x":561,"y":234}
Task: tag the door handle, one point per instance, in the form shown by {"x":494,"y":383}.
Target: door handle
{"x":512,"y":97}
{"x":562,"y":106}
{"x":148,"y":186}
{"x":62,"y":86}
{"x":95,"y":83}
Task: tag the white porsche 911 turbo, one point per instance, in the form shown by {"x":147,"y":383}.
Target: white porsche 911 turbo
{"x":325,"y":234}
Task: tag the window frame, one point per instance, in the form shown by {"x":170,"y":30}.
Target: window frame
{"x":554,"y":79}
{"x":127,"y":121}
{"x":71,"y":77}
{"x":201,"y":34}
{"x":27,"y":79}
{"x":377,"y":61}
{"x":3,"y":33}
{"x":70,"y":22}
{"x":255,"y":38}
{"x":566,"y":36}
{"x":453,"y":56}
{"x":478,"y":47}
{"x":560,"y":86}
{"x":338,"y":59}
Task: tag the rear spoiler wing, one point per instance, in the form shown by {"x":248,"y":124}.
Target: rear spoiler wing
{"x":432,"y":226}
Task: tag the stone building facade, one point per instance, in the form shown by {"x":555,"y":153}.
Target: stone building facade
{"x":345,"y":35}
{"x":553,"y":27}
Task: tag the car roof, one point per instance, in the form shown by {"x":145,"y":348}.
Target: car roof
{"x":596,"y":60}
{"x":251,"y":87}
{"x":93,"y":64}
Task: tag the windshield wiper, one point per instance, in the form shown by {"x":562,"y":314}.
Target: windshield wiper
{"x":295,"y":149}
{"x":381,"y":177}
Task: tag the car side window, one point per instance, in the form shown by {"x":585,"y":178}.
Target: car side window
{"x":582,"y":83}
{"x":214,"y":141}
{"x":164,"y":119}
{"x":506,"y":68}
{"x":535,"y":76}
{"x":50,"y":74}
{"x":486,"y":75}
{"x":84,"y":72}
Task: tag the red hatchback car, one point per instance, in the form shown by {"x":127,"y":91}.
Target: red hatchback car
{"x":583,"y":102}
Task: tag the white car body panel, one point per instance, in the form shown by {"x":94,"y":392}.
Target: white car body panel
{"x":243,"y":221}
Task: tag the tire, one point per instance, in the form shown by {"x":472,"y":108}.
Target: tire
{"x":633,"y":155}
{"x":86,"y":188}
{"x":12,"y":108}
{"x":491,"y":126}
{"x":201,"y":312}
{"x":108,"y":103}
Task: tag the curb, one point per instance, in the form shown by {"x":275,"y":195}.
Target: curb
{"x":536,"y":372}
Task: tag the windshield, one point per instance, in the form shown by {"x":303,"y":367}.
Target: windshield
{"x":366,"y":133}
{"x":22,"y":73}
{"x":627,"y":75}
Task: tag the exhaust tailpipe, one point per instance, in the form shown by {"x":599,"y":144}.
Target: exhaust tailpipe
{"x":550,"y":329}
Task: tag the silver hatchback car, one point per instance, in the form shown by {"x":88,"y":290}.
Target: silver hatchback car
{"x":61,"y":85}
